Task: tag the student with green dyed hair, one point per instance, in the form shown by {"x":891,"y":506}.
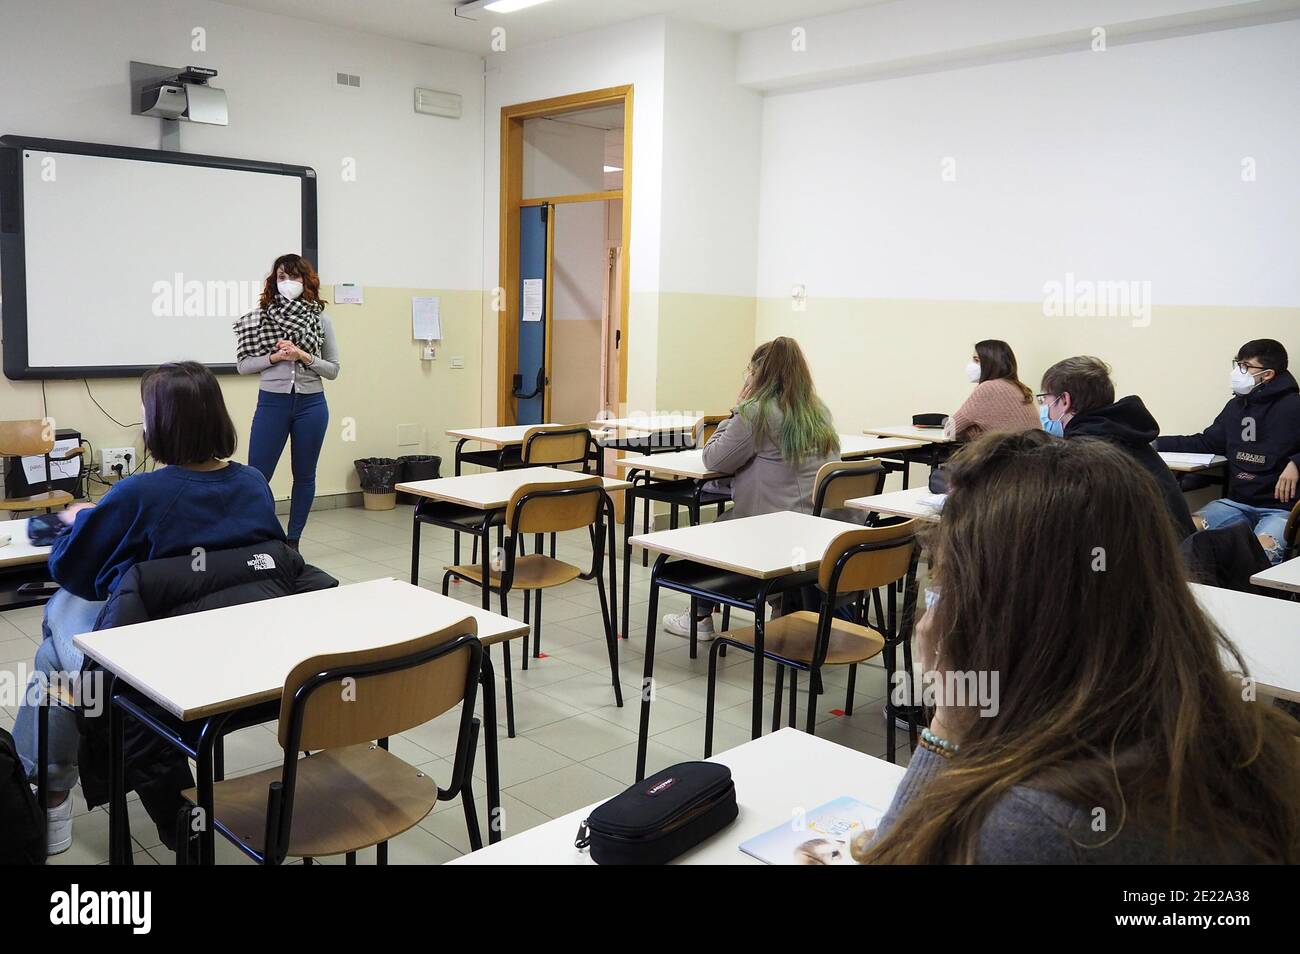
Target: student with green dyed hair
{"x":777,"y":438}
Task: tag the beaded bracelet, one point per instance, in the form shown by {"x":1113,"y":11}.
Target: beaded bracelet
{"x":943,"y":746}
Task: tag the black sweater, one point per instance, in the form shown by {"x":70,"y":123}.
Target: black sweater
{"x":1128,"y":424}
{"x":1259,"y":433}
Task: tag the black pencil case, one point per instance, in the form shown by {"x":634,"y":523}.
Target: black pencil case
{"x":657,"y":819}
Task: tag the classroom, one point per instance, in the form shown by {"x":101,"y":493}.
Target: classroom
{"x":885,"y":404}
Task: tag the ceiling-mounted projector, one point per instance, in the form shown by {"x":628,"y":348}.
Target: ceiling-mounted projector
{"x":185,"y":96}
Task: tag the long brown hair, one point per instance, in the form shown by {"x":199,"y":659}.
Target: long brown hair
{"x":299,"y":268}
{"x":780,"y":379}
{"x":1057,"y":569}
{"x":998,"y":363}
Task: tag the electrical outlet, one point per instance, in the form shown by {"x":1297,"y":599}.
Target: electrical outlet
{"x":457,"y":362}
{"x":110,"y":457}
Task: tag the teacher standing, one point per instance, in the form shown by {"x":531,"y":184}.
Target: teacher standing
{"x":290,"y":342}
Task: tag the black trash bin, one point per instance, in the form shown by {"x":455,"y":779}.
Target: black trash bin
{"x":416,"y":467}
{"x":378,"y":475}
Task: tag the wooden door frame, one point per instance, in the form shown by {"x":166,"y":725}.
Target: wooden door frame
{"x":513,"y":199}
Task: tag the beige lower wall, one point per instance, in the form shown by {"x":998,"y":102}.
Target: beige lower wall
{"x":877,"y":362}
{"x":383,"y":384}
{"x":704,"y":345}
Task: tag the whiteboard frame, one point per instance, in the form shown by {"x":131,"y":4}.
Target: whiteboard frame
{"x":13,"y":249}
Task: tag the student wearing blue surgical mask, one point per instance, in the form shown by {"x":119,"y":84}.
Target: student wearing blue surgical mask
{"x":1258,"y":430}
{"x":289,"y":341}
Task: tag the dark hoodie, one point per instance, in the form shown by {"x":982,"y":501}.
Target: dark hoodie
{"x":1128,"y":424}
{"x":1259,"y":433}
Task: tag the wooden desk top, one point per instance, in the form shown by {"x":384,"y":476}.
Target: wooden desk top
{"x":898,"y":503}
{"x":774,"y":776}
{"x":19,"y":551}
{"x":926,"y":435}
{"x":225,"y":659}
{"x":764,"y":547}
{"x":492,"y":490}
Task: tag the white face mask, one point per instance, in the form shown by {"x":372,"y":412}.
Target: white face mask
{"x":973,"y":372}
{"x":289,"y":289}
{"x":1243,"y":382}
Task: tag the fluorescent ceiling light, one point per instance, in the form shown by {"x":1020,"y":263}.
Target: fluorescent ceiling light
{"x":468,"y":10}
{"x":613,"y":168}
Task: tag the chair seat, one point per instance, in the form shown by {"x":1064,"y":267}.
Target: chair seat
{"x":42,"y":501}
{"x":533,"y":572}
{"x":345,"y":800}
{"x":794,"y":637}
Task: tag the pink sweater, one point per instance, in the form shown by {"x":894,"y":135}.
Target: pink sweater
{"x":993,"y":406}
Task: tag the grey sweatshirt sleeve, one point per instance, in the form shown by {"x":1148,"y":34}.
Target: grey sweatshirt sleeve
{"x":326,"y":364}
{"x":253,"y":364}
{"x":731,"y":447}
{"x":1024,"y":826}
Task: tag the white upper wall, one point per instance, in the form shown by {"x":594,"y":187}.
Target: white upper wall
{"x":710,"y":166}
{"x":410,"y":218}
{"x":914,"y":35}
{"x":1123,"y":164}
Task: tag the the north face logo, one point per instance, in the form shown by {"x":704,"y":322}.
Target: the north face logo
{"x":262,"y":561}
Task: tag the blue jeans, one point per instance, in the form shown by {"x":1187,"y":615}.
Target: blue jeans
{"x":1265,"y":522}
{"x":65,"y":616}
{"x":278,"y":417}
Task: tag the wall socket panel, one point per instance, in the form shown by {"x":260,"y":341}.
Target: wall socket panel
{"x":111,"y":456}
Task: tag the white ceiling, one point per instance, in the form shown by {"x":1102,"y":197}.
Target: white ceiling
{"x":432,"y":21}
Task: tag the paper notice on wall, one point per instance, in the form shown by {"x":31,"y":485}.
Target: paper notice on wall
{"x":34,"y":466}
{"x":426,"y":322}
{"x":349,"y":293}
{"x":533,"y":298}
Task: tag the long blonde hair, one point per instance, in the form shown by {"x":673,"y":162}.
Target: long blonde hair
{"x":781,"y":380}
{"x":1112,"y":692}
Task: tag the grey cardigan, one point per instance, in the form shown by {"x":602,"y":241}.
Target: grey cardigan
{"x":1028,"y":826}
{"x":763,"y":481}
{"x":285,"y":377}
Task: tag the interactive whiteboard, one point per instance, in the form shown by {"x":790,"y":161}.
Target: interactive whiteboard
{"x":113,"y":260}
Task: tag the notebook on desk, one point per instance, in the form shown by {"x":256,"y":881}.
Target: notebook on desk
{"x":820,"y":837}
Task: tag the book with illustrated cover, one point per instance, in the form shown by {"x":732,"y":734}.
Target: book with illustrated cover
{"x":822,"y":836}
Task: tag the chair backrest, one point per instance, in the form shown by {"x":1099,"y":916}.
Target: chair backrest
{"x":374,"y":693}
{"x":705,"y":427}
{"x":868,"y":558}
{"x":25,"y":438}
{"x":841,"y":480}
{"x":554,"y":508}
{"x":557,"y":445}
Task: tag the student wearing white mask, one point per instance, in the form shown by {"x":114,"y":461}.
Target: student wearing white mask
{"x":1000,"y":402}
{"x":289,"y":341}
{"x":1258,"y":430}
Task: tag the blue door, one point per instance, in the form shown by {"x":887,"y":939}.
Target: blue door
{"x":530,"y":372}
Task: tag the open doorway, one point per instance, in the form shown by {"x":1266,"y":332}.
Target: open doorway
{"x":565,"y":226}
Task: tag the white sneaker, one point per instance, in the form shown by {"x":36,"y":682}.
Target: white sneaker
{"x":58,"y":827}
{"x":679,"y":624}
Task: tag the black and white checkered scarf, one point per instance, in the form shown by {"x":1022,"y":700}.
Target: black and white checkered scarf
{"x":260,"y":329}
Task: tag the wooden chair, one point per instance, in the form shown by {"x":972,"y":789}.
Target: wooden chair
{"x":1291,"y":532}
{"x":705,"y":427}
{"x":858,"y":560}
{"x":540,"y":509}
{"x":31,"y":439}
{"x":351,"y":792}
{"x":840,"y":480}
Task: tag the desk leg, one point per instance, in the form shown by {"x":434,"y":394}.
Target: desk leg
{"x":647,"y":676}
{"x":629,"y":505}
{"x":487,"y":679}
{"x":415,"y":549}
{"x":203,"y":764}
{"x":118,"y":850}
{"x":760,"y":606}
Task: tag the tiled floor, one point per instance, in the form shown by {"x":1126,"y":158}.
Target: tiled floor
{"x":573,"y":747}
